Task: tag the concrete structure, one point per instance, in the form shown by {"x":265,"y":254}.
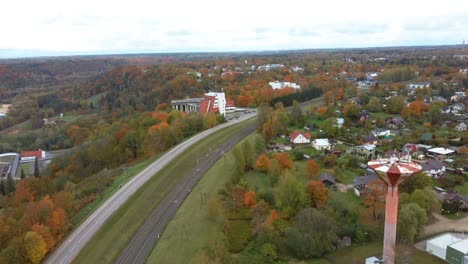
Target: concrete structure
{"x":393,"y":172}
{"x":321,"y":144}
{"x":220,"y":102}
{"x":299,"y":137}
{"x":457,"y":252}
{"x":438,"y":245}
{"x":191,"y":105}
{"x":280,"y":85}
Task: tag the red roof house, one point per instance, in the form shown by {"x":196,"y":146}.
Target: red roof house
{"x":298,"y":137}
{"x":39,"y":154}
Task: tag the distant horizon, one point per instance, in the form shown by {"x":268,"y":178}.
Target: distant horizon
{"x":57,"y":28}
{"x":31,"y":54}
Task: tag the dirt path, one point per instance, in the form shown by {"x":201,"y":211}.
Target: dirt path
{"x":443,"y":224}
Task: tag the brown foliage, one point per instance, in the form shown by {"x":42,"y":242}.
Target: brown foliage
{"x":263,"y":163}
{"x":318,"y":194}
{"x":283,"y":161}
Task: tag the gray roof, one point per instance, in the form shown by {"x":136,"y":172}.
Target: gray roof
{"x":432,"y":165}
{"x":364,"y":180}
{"x":326,"y":176}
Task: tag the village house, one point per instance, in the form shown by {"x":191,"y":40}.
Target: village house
{"x":321,"y":144}
{"x":299,"y":137}
{"x":395,"y":123}
{"x":369,"y":140}
{"x":461,"y":127}
{"x":419,"y":85}
{"x":361,"y":182}
{"x":280,"y":85}
{"x":433,"y":168}
{"x":381,"y":132}
{"x":366,"y":152}
{"x":439,"y":153}
{"x":339,"y":122}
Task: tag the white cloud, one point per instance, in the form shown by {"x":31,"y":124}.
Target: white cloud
{"x":208,"y":25}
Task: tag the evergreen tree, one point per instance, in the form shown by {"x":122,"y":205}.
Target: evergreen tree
{"x":10,"y":185}
{"x":22,"y":174}
{"x":36,"y":167}
{"x":2,"y":187}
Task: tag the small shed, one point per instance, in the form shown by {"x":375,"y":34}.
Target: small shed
{"x":438,"y":245}
{"x":327,"y":179}
{"x":372,"y":260}
{"x":457,"y":252}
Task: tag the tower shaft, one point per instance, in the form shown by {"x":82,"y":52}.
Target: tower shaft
{"x":391,"y":217}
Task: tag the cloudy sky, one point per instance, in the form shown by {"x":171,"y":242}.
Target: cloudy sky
{"x":65,"y":27}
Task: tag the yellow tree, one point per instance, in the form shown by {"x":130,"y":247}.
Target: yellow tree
{"x":34,"y":246}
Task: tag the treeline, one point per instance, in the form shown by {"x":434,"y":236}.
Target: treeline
{"x":37,"y":213}
{"x":302,"y":96}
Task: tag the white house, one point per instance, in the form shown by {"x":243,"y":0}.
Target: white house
{"x":438,"y":246}
{"x":461,"y":127}
{"x":339,"y":121}
{"x":419,"y":85}
{"x":381,"y":132}
{"x":321,"y":144}
{"x":280,"y":85}
{"x":299,"y":137}
{"x":439,"y":153}
{"x":220,"y":102}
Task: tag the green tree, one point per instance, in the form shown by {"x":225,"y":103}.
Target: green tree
{"x":268,"y":252}
{"x":9,"y":185}
{"x":434,"y":114}
{"x":313,"y":234}
{"x":296,"y":113}
{"x":374,"y":104}
{"x":417,"y":181}
{"x":395,"y":104}
{"x":22,"y":174}
{"x":411,"y":220}
{"x":290,"y":194}
{"x":36,"y":167}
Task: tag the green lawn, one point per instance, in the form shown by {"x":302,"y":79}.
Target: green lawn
{"x":105,"y":246}
{"x":119,"y":180}
{"x":191,"y":229}
{"x":357,"y":254}
{"x":462,"y":189}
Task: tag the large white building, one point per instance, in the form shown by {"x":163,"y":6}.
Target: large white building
{"x":280,"y":85}
{"x":220,"y":102}
{"x":438,"y":245}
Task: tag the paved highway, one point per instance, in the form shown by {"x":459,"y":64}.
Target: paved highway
{"x":72,"y":245}
{"x":144,"y":240}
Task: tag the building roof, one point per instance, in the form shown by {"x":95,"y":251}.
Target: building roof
{"x":444,"y":240}
{"x":325,"y":176}
{"x":230,"y":103}
{"x":322,"y":141}
{"x":207,"y":105}
{"x":441,"y":151}
{"x":369,"y":147}
{"x":395,"y":153}
{"x":295,"y":134}
{"x":432,"y":165}
{"x":461,"y":246}
{"x":33,"y":153}
{"x":369,"y":138}
{"x":364,"y":180}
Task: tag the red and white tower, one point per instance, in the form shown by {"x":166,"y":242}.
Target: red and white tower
{"x":393,"y":171}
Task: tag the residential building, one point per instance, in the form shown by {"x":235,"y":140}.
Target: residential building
{"x":269,"y":67}
{"x":299,"y":137}
{"x":369,"y":140}
{"x":461,"y":127}
{"x":381,"y":132}
{"x":433,"y":168}
{"x":366,"y":152}
{"x":395,"y":123}
{"x":321,"y":144}
{"x":440,"y":153}
{"x":339,"y":122}
{"x":361,"y":182}
{"x":280,"y":85}
{"x":419,"y":85}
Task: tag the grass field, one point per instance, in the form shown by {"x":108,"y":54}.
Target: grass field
{"x":462,"y":189}
{"x":105,"y":246}
{"x":191,"y":229}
